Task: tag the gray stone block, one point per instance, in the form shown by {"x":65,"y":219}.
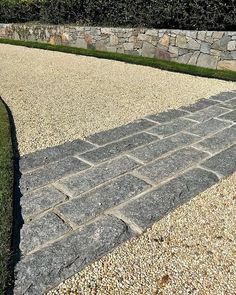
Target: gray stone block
{"x":230,"y":104}
{"x":93,"y":203}
{"x":231,"y":116}
{"x":224,"y":162}
{"x":206,"y":114}
{"x":51,"y":172}
{"x":152,"y":206}
{"x":40,"y":200}
{"x":167,"y":116}
{"x":116,"y":148}
{"x":39,"y":231}
{"x":44,"y":269}
{"x":51,"y":154}
{"x":157,"y":149}
{"x":199,"y":105}
{"x":77,"y":184}
{"x":219,"y":141}
{"x":224,"y":96}
{"x":172,"y":164}
{"x":207,"y":61}
{"x":115,"y":134}
{"x":207,"y":127}
{"x":172,"y":127}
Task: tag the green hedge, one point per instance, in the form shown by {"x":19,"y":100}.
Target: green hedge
{"x":181,"y":14}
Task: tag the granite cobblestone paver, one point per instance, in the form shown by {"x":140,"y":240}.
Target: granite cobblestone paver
{"x":83,"y":198}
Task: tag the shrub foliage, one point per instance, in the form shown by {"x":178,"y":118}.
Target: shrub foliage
{"x":181,"y":14}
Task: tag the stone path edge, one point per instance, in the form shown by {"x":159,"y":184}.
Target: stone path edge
{"x":83,"y":198}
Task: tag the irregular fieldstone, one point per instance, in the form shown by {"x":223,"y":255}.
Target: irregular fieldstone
{"x":172,"y":127}
{"x":167,"y":116}
{"x":114,"y":149}
{"x":79,"y":183}
{"x":115,"y":134}
{"x":94,"y":203}
{"x":44,"y":269}
{"x":40,"y":200}
{"x":223,"y":163}
{"x":172,"y":164}
{"x":152,"y":206}
{"x":159,"y":148}
{"x":39,"y":231}
{"x":227,"y":65}
{"x":219,"y":141}
{"x":51,"y":154}
{"x":148,"y":49}
{"x":206,"y":114}
{"x":50,"y":173}
{"x":207,"y":61}
{"x":205,"y":47}
{"x":207,"y":127}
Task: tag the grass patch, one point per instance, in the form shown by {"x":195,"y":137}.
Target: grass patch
{"x":138,"y":60}
{"x":6,"y":196}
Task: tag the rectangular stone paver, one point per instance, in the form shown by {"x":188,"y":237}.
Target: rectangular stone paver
{"x":173,"y":127}
{"x":51,"y":172}
{"x":115,"y":134}
{"x":114,"y":149}
{"x":79,"y":183}
{"x":161,"y":147}
{"x":49,"y":267}
{"x":219,"y":141}
{"x":223,"y":96}
{"x":206,"y":114}
{"x":199,"y":105}
{"x":152,"y":206}
{"x":93,"y":203}
{"x":40,"y":200}
{"x":207,"y":127}
{"x":39,"y":231}
{"x":51,"y":154}
{"x":172,"y":164}
{"x":224,"y":162}
{"x":230,"y":103}
{"x":167,"y":116}
{"x":229,"y":116}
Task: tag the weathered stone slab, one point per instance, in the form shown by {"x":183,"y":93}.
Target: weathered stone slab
{"x":40,"y":200}
{"x":51,"y":154}
{"x":79,"y":183}
{"x":231,"y":116}
{"x":207,"y":127}
{"x":83,"y":209}
{"x":44,"y":269}
{"x":219,"y":141}
{"x":171,"y":165}
{"x":172,"y":127}
{"x":207,"y":61}
{"x":114,"y":149}
{"x":167,"y":116}
{"x":115,"y":134}
{"x":161,"y":147}
{"x":224,"y":96}
{"x":223,"y":163}
{"x":152,"y":206}
{"x":51,"y":172}
{"x":206,"y":114}
{"x":199,"y":105}
{"x":39,"y":231}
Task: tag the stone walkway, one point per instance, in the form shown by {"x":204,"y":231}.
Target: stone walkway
{"x":83,"y":198}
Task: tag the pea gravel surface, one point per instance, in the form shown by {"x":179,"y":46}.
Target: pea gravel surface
{"x":190,"y":251}
{"x":57,"y":97}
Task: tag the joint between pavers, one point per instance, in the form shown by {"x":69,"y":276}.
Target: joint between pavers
{"x":132,"y":225}
{"x":67,"y":221}
{"x":219,"y":175}
{"x":78,"y":156}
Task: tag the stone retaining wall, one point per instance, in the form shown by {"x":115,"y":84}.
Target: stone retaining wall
{"x":210,"y":49}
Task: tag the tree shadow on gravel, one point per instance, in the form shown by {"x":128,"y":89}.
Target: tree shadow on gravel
{"x":17,"y":216}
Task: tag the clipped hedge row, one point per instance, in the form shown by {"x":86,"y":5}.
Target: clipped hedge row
{"x":181,"y":14}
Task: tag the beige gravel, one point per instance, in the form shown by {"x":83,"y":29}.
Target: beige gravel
{"x":190,"y":251}
{"x":57,"y":97}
